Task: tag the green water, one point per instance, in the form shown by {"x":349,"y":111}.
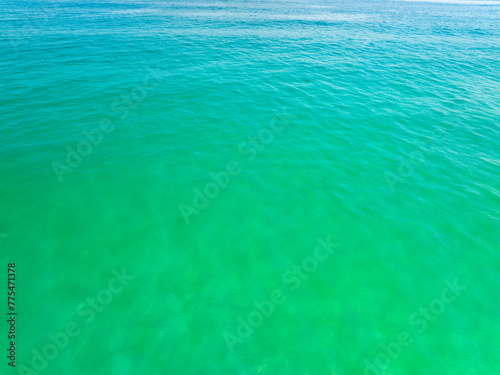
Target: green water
{"x":280,"y":187}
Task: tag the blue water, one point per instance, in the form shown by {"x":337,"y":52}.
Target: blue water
{"x":293,"y":187}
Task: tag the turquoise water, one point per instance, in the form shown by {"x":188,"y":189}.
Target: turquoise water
{"x":252,"y":187}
